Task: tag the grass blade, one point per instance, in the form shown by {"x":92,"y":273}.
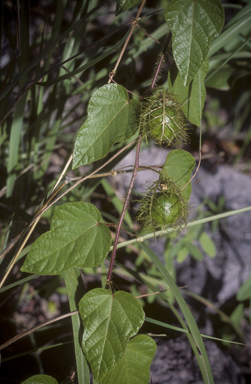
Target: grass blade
{"x":202,"y":355}
{"x":75,"y":290}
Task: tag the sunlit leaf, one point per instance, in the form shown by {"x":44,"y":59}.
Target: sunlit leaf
{"x":178,"y":168}
{"x":194,"y":25}
{"x":134,"y":367}
{"x":110,"y":320}
{"x":78,"y":237}
{"x":111,"y":118}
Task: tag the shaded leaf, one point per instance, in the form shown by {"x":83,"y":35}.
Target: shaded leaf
{"x":123,"y":5}
{"x":233,"y":28}
{"x":182,"y":255}
{"x":237,"y":315}
{"x":40,"y":379}
{"x":220,"y":80}
{"x":77,"y":238}
{"x":134,"y":367}
{"x":244,"y":292}
{"x":110,"y":320}
{"x":111,"y":118}
{"x":178,"y":168}
{"x":207,"y":244}
{"x":194,"y":251}
{"x":194,"y":25}
{"x":192,"y":97}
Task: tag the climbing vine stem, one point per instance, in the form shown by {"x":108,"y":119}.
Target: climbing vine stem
{"x":126,"y":42}
{"x":136,"y":166}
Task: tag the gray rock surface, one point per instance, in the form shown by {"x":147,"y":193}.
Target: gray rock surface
{"x":175,"y":363}
{"x":217,"y":279}
{"x":232,"y":264}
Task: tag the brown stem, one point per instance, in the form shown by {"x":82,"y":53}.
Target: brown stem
{"x":157,"y":71}
{"x":161,"y":61}
{"x":124,"y":210}
{"x":134,"y":24}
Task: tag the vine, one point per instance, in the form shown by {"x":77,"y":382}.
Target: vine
{"x":80,"y":238}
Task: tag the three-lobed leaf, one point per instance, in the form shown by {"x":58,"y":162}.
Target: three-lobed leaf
{"x":134,"y":367}
{"x":194,"y":25}
{"x":110,"y":320}
{"x":111,"y":118}
{"x":78,"y":237}
{"x":178,"y":168}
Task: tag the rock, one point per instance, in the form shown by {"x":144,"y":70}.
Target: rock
{"x":218,"y":278}
{"x":175,"y":363}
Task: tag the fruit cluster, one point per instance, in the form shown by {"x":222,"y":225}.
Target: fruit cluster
{"x":163,"y":120}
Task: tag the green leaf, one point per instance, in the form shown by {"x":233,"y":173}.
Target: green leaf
{"x":40,"y":379}
{"x":110,"y":320}
{"x":237,"y":315}
{"x":220,"y":79}
{"x":207,"y":244}
{"x":123,"y":5}
{"x":233,"y":28}
{"x":78,"y":237}
{"x":134,"y":367}
{"x":194,"y":25}
{"x":244,"y":292}
{"x":182,"y":255}
{"x":192,"y":97}
{"x":178,"y":168}
{"x":194,"y":251}
{"x":111,"y":118}
{"x":202,"y":357}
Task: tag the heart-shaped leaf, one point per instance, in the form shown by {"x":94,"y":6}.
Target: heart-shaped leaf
{"x":111,"y":118}
{"x":178,"y":168}
{"x":134,"y":367}
{"x":78,"y":237}
{"x":40,"y":379}
{"x":194,"y":25}
{"x":110,"y":320}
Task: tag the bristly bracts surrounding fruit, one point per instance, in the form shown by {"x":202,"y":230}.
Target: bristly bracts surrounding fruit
{"x":163,"y":119}
{"x":163,"y":206}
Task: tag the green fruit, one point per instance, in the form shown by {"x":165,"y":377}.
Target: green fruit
{"x":164,"y":126}
{"x":166,"y":209}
